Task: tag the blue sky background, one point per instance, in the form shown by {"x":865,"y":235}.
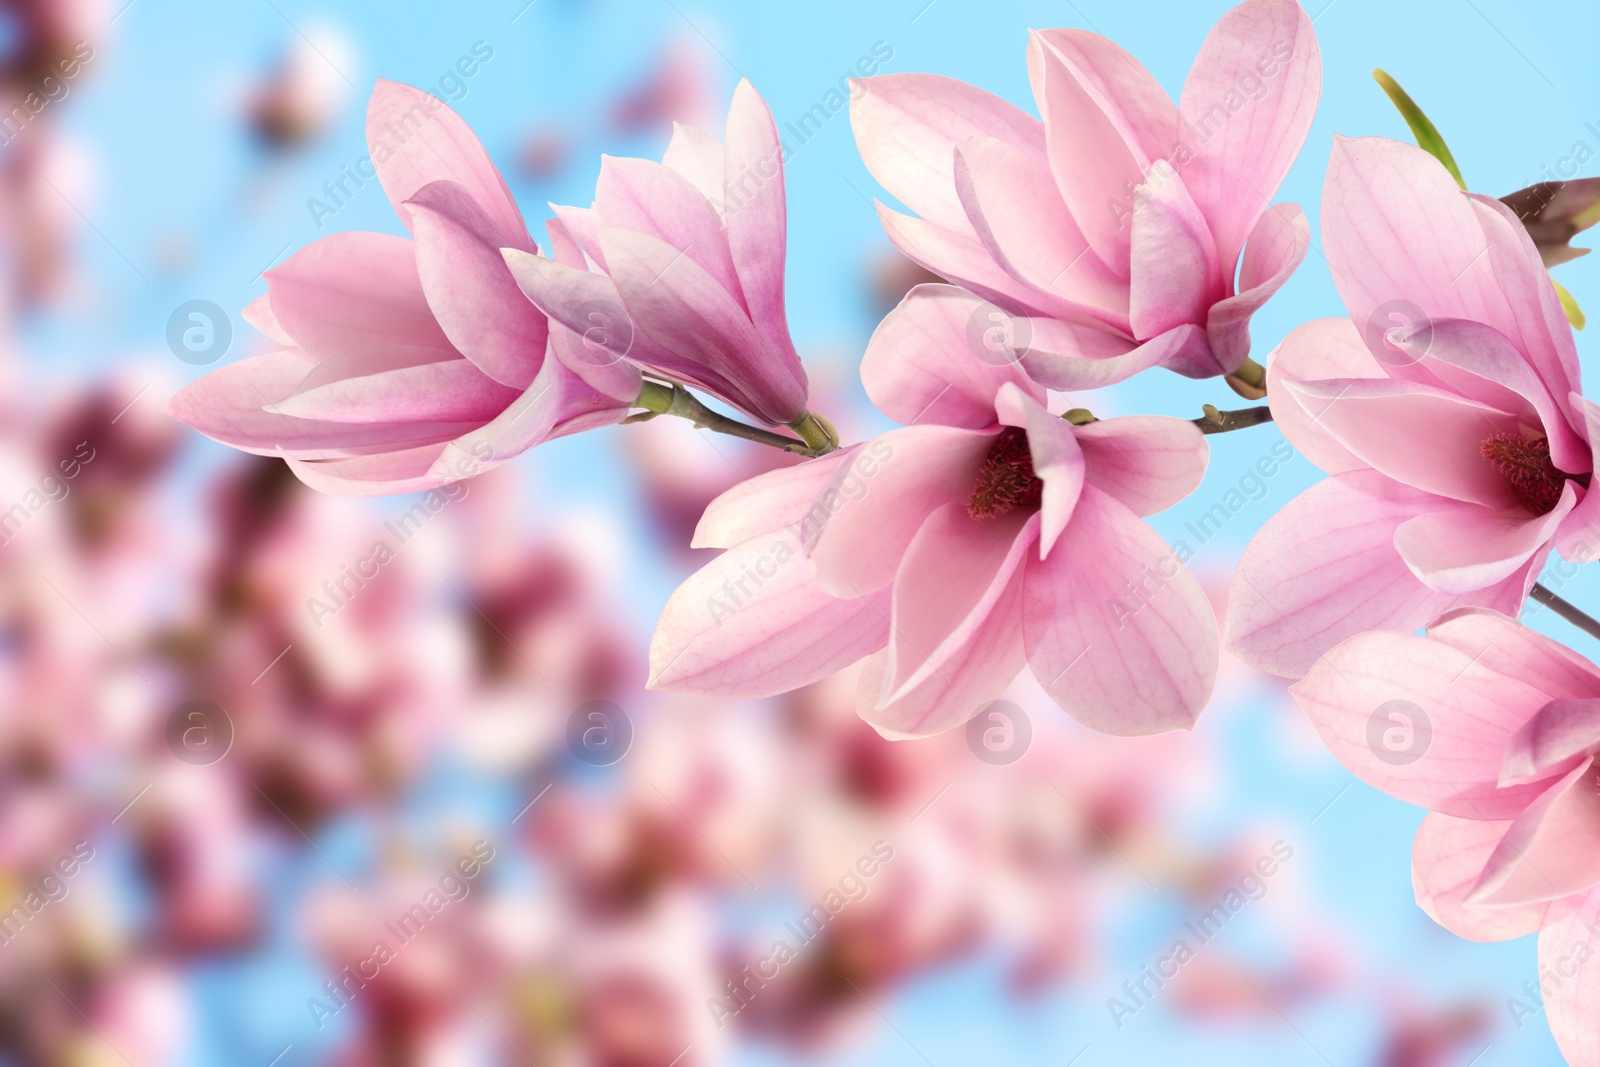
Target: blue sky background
{"x":174,"y":170}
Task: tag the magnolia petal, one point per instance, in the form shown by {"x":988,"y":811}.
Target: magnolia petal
{"x":724,"y":634}
{"x":1480,"y":362}
{"x":956,"y":635}
{"x":962,"y":259}
{"x":638,"y":194}
{"x":416,"y":139}
{"x":230,"y":405}
{"x":778,"y":498}
{"x":757,"y":215}
{"x":1149,"y":462}
{"x":354,"y":291}
{"x":1418,"y":435}
{"x":1322,"y":348}
{"x":1324,"y":568}
{"x":259,"y":314}
{"x":1064,"y":356}
{"x":1117,"y":666}
{"x":385,"y":474}
{"x":1463,"y":549}
{"x":1243,"y":146}
{"x":1143,"y":110}
{"x":697,"y":156}
{"x":679,"y":305}
{"x":861,"y":544}
{"x":1091,"y":157}
{"x":1541,"y":323}
{"x":448,"y":391}
{"x":1421,"y":721}
{"x":1175,"y":276}
{"x":1503,"y":644}
{"x":1012,"y":204}
{"x":556,"y":403}
{"x":1057,"y":459}
{"x":1399,"y":233}
{"x":1579,"y":537}
{"x":1546,"y":852}
{"x":1545,"y":745}
{"x":940,"y":356}
{"x":908,"y":125}
{"x":1566,"y":945}
{"x":1446,"y":859}
{"x":1275,"y":250}
{"x":469,"y":288}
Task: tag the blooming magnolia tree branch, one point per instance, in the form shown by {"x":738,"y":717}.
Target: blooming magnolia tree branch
{"x":1566,"y":610}
{"x":817,"y":436}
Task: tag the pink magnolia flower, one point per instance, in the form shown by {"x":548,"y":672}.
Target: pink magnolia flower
{"x":983,"y":534}
{"x":1495,"y":729}
{"x":408,"y":364}
{"x":1110,"y":233}
{"x":1446,"y":411}
{"x":687,"y":263}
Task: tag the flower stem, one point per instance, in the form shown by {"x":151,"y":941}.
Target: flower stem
{"x":1215,"y":421}
{"x":664,"y":399}
{"x":1566,"y":610}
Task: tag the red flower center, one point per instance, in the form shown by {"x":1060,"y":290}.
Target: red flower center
{"x":1525,"y":463}
{"x":1006,"y":479}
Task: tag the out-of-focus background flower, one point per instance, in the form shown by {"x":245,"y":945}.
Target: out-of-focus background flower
{"x":270,"y":796}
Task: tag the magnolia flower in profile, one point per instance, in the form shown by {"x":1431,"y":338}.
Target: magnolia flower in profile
{"x":984,"y":534}
{"x":406,"y":364}
{"x":686,"y":266}
{"x":1494,"y":728}
{"x":1446,"y":410}
{"x":1122,"y":231}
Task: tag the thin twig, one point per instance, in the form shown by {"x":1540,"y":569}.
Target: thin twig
{"x":1215,"y":421}
{"x":1566,"y":610}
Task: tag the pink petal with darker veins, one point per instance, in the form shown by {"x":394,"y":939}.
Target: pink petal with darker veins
{"x":1460,"y":713}
{"x":1549,"y":850}
{"x":1275,"y":251}
{"x":757,"y":216}
{"x":1446,"y":861}
{"x":354,"y":291}
{"x":1240,"y":161}
{"x":425,"y":142}
{"x":787,"y":631}
{"x":469,"y":288}
{"x":955,"y":639}
{"x":1569,"y":1004}
{"x":1325,"y":568}
{"x":920,"y":365}
{"x":864,"y":539}
{"x":1149,"y":462}
{"x":1117,"y":665}
{"x":907,"y":127}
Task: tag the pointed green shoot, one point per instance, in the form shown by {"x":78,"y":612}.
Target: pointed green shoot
{"x":1426,"y":133}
